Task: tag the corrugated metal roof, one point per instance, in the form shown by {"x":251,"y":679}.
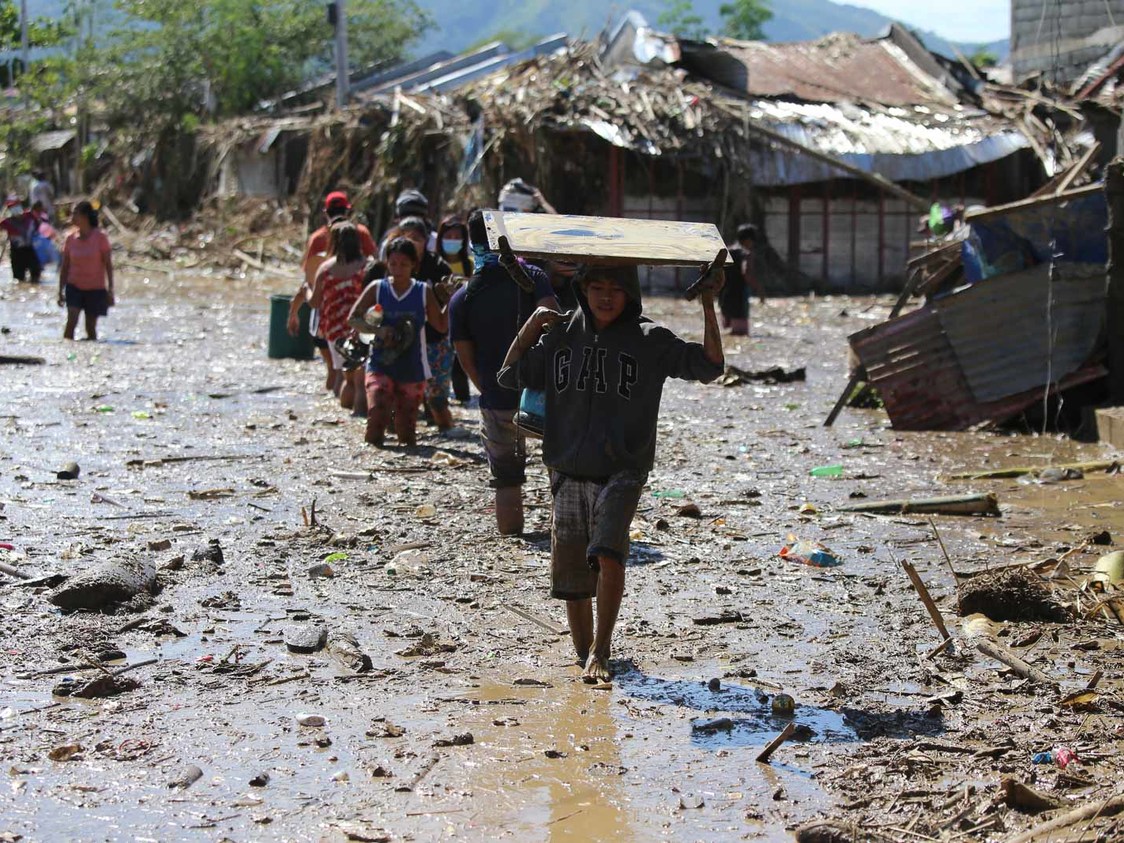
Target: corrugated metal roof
{"x":915,"y":143}
{"x":928,"y":376}
{"x":451,"y":74}
{"x":841,"y":67}
{"x":49,"y":141}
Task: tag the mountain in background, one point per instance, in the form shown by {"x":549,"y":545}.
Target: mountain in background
{"x":462,"y":23}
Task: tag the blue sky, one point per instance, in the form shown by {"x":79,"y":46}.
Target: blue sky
{"x":959,"y":20}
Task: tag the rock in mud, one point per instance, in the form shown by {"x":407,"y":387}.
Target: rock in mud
{"x":306,"y":637}
{"x":345,"y":649}
{"x":711,"y":727}
{"x":829,"y":831}
{"x":188,"y":776}
{"x":456,"y":740}
{"x":209,"y":552}
{"x":103,"y":686}
{"x":70,"y":471}
{"x":1013,"y":594}
{"x":105,"y":585}
{"x":260,"y":780}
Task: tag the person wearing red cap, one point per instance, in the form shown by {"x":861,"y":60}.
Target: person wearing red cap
{"x":337,"y":207}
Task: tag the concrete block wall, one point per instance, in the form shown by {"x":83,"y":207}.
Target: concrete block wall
{"x":1069,"y":33}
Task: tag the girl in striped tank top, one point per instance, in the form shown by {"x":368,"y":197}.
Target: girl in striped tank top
{"x":398,"y":367}
{"x":338,"y":285}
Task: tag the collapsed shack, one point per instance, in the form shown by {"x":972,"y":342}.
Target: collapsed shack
{"x":646,"y":126}
{"x":1014,"y":313}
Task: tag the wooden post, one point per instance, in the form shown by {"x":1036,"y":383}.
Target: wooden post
{"x":1114,"y":194}
{"x":826,"y":233}
{"x":881,"y":239}
{"x":794,"y":232}
{"x":614,"y":181}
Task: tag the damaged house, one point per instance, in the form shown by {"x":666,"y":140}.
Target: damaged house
{"x":835,"y":147}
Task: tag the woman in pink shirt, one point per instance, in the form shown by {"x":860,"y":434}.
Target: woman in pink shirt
{"x":86,"y":274}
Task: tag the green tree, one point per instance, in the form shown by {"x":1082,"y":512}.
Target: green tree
{"x":172,"y":61}
{"x":984,"y":58}
{"x":679,"y":18}
{"x":40,"y":32}
{"x":745,"y":19}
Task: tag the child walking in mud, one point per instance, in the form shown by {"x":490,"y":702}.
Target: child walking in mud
{"x":603,"y":371}
{"x":397,"y":368}
{"x":338,"y":284}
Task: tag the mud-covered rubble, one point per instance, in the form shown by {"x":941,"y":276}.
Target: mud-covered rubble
{"x":434,"y":628}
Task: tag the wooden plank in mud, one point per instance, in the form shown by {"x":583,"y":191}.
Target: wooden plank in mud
{"x":605,"y":240}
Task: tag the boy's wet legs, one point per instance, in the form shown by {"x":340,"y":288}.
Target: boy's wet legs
{"x":579,"y":614}
{"x":610,"y":592}
{"x":91,"y":326}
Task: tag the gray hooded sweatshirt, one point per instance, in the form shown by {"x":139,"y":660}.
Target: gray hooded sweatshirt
{"x":603,"y":389}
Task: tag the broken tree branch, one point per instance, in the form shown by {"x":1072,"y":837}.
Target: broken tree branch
{"x":987,"y":504}
{"x":1001,"y":654}
{"x":771,"y":747}
{"x":1106,"y":808}
{"x":926,"y":598}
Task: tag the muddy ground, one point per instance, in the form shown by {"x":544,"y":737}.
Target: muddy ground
{"x":186,"y":432}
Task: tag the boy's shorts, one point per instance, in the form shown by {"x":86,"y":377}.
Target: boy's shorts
{"x":505,"y":448}
{"x":591,"y":518}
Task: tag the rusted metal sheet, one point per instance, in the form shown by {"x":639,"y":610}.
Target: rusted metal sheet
{"x":915,"y":364}
{"x":1046,"y":330}
{"x":841,"y":67}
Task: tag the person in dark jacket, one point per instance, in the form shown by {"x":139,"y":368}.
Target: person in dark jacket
{"x":484,"y":317}
{"x":603,"y":371}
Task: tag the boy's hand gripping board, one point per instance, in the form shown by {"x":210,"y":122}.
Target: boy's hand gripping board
{"x":710,"y":277}
{"x":605,"y":240}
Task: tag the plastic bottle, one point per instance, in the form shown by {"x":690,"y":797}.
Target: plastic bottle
{"x":373,"y":316}
{"x":827,"y":471}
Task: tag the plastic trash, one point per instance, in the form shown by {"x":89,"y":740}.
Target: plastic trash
{"x":1064,"y":756}
{"x":809,"y":553}
{"x":827,"y":471}
{"x":1109,"y":568}
{"x":669,"y":493}
{"x":373,"y":316}
{"x":426,"y":510}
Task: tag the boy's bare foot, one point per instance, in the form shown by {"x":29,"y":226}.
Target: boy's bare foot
{"x":597,"y":670}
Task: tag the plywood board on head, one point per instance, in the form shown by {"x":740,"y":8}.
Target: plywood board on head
{"x":605,"y":240}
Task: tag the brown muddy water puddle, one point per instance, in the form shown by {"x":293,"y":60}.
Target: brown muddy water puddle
{"x":560,"y":762}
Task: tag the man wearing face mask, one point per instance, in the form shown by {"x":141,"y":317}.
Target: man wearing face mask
{"x":20,"y":225}
{"x":484,"y":317}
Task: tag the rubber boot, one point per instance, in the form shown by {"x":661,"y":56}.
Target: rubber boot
{"x":509,"y":510}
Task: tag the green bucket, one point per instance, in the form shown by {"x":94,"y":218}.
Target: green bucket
{"x":281,"y":343}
